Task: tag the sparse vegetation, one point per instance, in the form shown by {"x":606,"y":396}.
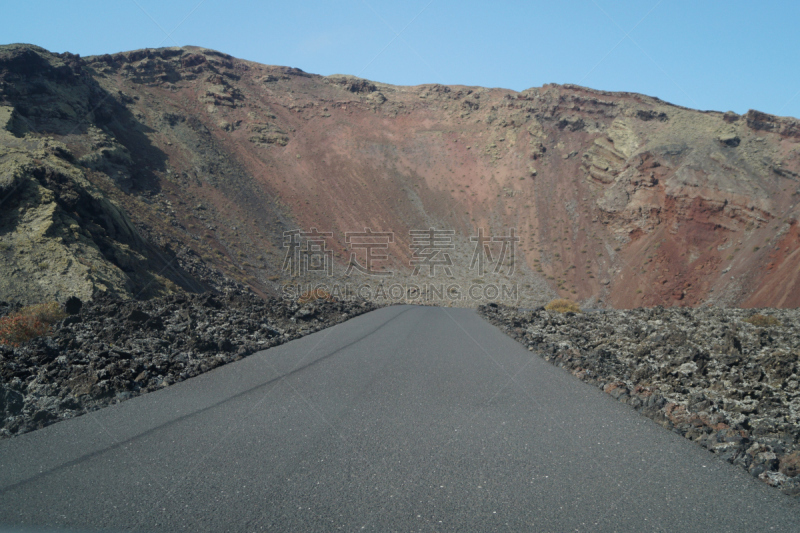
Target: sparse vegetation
{"x":763,"y":321}
{"x":16,"y":330}
{"x":577,"y":222}
{"x":49,"y":313}
{"x":29,"y":322}
{"x":562,"y":305}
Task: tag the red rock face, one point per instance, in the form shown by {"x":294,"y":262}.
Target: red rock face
{"x":617,"y":197}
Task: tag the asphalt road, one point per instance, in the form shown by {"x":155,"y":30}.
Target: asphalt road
{"x":407,"y":418}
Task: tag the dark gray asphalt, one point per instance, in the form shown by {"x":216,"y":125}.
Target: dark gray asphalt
{"x":407,"y":418}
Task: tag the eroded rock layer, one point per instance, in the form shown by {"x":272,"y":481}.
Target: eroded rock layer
{"x":619,"y":199}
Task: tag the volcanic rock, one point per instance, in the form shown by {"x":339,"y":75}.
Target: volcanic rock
{"x":98,"y":360}
{"x":707,"y":374}
{"x":631,"y":201}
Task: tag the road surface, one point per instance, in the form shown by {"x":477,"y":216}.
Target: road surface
{"x":406,"y":418}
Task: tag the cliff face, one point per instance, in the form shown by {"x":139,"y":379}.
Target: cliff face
{"x":60,"y":235}
{"x":202,"y":161}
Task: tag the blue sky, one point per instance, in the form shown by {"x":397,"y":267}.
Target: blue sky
{"x":708,"y":54}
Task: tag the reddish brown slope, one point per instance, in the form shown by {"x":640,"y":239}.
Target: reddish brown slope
{"x":617,"y":197}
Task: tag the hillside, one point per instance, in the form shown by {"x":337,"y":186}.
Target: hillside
{"x":143,"y":173}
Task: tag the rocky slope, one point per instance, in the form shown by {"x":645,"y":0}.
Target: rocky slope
{"x":705,"y":373}
{"x":112,"y":350}
{"x":60,"y":235}
{"x":618,"y":199}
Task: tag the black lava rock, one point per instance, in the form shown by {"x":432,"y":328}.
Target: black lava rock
{"x":111,"y":350}
{"x":708,"y":374}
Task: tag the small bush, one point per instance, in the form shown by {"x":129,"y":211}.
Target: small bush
{"x":561,"y":305}
{"x":48,"y":313}
{"x":763,"y":321}
{"x":29,"y":322}
{"x":315,"y":295}
{"x":16,"y":329}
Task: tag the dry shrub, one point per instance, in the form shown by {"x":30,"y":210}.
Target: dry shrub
{"x":763,"y":321}
{"x":16,"y":330}
{"x":29,"y":322}
{"x":315,"y":295}
{"x":790,"y":464}
{"x":562,"y":305}
{"x":49,"y":313}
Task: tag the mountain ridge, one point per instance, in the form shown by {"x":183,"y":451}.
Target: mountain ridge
{"x":619,"y":199}
{"x":343,"y":75}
